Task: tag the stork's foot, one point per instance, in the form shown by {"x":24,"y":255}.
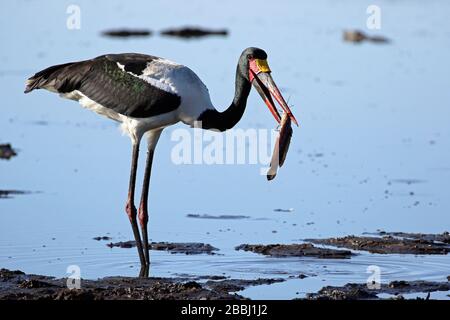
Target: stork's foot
{"x":144,"y":272}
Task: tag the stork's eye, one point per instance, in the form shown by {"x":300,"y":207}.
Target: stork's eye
{"x":249,"y":56}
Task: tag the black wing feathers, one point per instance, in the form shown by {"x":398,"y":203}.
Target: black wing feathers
{"x":102,"y":81}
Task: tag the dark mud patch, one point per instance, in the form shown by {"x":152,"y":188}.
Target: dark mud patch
{"x":284,"y":210}
{"x":406,"y":181}
{"x":100,"y":238}
{"x":16,"y":285}
{"x":6,"y":194}
{"x":295,"y":250}
{"x":220,"y":217}
{"x":193,"y":32}
{"x":443,"y":237}
{"x":357,"y":36}
{"x":360,"y":291}
{"x":172,"y":247}
{"x":233,"y":285}
{"x":126,"y":33}
{"x":7,"y":152}
{"x":185,"y":276}
{"x":386,"y":245}
{"x":40,"y":123}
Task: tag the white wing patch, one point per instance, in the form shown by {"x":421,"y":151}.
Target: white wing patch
{"x":180,"y":80}
{"x":156,"y":74}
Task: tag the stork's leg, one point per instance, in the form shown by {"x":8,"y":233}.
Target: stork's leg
{"x":143,"y":207}
{"x":130,"y":207}
{"x":153,"y":137}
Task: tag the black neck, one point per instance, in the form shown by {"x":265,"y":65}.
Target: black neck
{"x":213,"y":119}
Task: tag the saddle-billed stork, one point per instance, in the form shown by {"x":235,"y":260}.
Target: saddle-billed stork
{"x":146,"y":94}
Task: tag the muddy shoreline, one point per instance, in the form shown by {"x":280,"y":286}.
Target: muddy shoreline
{"x":172,"y":247}
{"x":295,"y":250}
{"x":380,"y":242}
{"x":361,"y":291}
{"x":390,"y":243}
{"x":16,"y":285}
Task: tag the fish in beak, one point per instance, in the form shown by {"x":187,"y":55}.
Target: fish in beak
{"x":281,"y":147}
{"x":259,"y":75}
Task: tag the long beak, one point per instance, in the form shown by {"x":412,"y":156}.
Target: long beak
{"x":267,"y":88}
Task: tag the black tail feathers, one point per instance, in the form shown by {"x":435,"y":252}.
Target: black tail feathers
{"x":44,"y":78}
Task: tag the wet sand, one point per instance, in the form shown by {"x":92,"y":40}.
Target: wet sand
{"x":295,"y":250}
{"x":404,"y":243}
{"x":443,"y":237}
{"x":360,"y":291}
{"x":172,"y":247}
{"x":16,"y":285}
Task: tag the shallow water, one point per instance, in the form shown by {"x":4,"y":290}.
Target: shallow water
{"x":372,"y":151}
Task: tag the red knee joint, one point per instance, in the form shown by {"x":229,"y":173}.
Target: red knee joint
{"x":143,"y":215}
{"x":130,"y":210}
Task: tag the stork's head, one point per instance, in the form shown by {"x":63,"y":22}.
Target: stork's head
{"x":253,"y":67}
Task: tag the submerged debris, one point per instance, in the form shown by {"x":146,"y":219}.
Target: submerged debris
{"x":180,"y":247}
{"x":295,"y":250}
{"x":102,"y":238}
{"x":5,"y":194}
{"x":223,"y":216}
{"x":125,"y":33}
{"x":190,"y":277}
{"x":358,"y":36}
{"x":406,"y":181}
{"x":6,"y":151}
{"x":284,"y":210}
{"x":360,"y":291}
{"x":193,"y":32}
{"x":386,"y":244}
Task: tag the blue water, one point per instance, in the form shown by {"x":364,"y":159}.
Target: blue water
{"x":370,"y":115}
